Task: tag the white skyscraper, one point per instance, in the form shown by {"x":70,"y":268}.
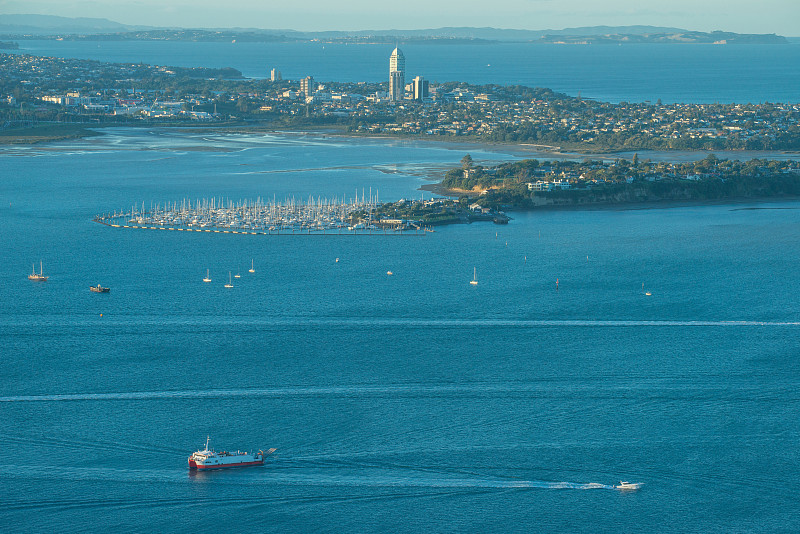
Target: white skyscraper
{"x":397,"y":74}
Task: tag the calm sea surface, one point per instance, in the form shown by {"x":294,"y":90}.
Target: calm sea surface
{"x":634,"y":73}
{"x":408,"y":403}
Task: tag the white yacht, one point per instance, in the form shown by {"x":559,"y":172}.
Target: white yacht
{"x":628,"y":486}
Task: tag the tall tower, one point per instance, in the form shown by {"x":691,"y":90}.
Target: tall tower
{"x":397,"y":75}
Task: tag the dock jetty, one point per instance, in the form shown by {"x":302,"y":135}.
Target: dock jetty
{"x":320,"y":216}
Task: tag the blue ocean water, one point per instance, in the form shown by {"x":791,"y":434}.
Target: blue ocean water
{"x":633,"y":73}
{"x":404,"y":403}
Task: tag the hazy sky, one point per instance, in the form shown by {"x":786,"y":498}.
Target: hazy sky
{"x":744,"y":16}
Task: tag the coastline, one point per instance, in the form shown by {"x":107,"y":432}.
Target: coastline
{"x":527,"y":150}
{"x":662,"y":204}
{"x":34,"y":135}
{"x":47,"y":133}
{"x":437,"y":189}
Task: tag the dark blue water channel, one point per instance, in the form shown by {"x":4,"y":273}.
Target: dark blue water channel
{"x":404,"y":403}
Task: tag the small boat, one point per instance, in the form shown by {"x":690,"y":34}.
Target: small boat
{"x":252,"y":267}
{"x":210,"y":459}
{"x":208,"y":277}
{"x":237,"y":275}
{"x":230,"y":282}
{"x":474,"y":281}
{"x":37,"y":277}
{"x":99,"y":289}
{"x":628,"y":486}
{"x":389,"y":273}
{"x":647,"y":294}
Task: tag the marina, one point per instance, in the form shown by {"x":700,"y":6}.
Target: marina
{"x":291,"y":217}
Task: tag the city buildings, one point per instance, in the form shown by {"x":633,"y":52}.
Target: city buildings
{"x":420,"y":88}
{"x":397,"y":73}
{"x":72,"y":90}
{"x":275,"y":75}
{"x":307,"y":86}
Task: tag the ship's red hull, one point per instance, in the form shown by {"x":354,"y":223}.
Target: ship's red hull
{"x":195,"y":465}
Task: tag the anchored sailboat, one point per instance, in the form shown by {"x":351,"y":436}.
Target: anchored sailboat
{"x":207,"y":278}
{"x":37,"y":277}
{"x":252,"y":268}
{"x":474,"y":281}
{"x":230,"y":282}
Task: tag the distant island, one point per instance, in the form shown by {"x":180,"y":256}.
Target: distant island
{"x":682,"y":37}
{"x":193,"y":35}
{"x":22,"y":27}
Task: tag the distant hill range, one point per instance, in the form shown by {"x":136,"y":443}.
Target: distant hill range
{"x":38,"y":26}
{"x":680,"y":36}
{"x":51,"y":25}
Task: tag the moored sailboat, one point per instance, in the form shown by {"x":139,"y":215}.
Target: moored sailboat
{"x":37,"y":277}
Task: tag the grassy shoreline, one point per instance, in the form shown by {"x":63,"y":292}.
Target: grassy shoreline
{"x":44,"y":133}
{"x":437,"y":189}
